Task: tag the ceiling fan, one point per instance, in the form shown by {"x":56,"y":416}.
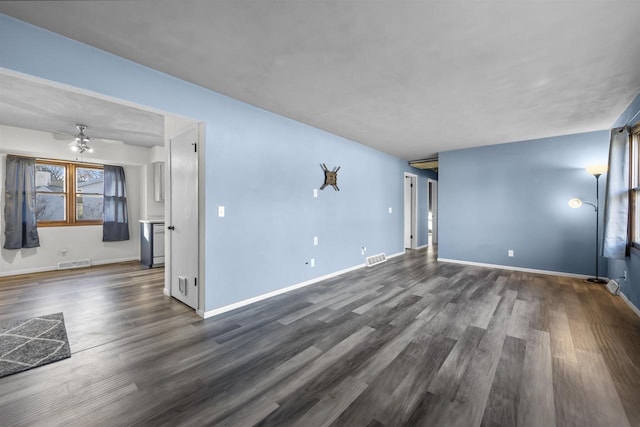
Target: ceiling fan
{"x":80,"y":141}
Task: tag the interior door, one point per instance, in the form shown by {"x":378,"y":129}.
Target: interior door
{"x":183,"y":227}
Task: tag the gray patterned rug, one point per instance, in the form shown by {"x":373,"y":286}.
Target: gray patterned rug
{"x":32,"y":342}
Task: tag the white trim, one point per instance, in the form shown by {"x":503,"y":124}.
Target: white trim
{"x":166,"y":292}
{"x":434,"y":206}
{"x":28,"y":271}
{"x":422,"y":247}
{"x":404,"y":251}
{"x":115,"y":261}
{"x":413,"y":220}
{"x":224,"y":309}
{"x":635,"y":309}
{"x":55,"y":267}
{"x":508,"y":267}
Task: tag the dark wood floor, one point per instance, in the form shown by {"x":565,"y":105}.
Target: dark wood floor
{"x":410,"y":342}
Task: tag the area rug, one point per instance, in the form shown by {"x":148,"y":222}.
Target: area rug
{"x":32,"y":342}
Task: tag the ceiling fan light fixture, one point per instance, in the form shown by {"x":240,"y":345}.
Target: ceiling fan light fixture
{"x":82,"y":141}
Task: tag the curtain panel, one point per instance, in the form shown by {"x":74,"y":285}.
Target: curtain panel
{"x":115,"y":226}
{"x":21,"y":226}
{"x":616,"y":208}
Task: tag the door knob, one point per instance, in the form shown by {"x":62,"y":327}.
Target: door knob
{"x":171,"y":227}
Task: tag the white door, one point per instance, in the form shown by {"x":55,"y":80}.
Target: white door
{"x":410,"y":236}
{"x":183,"y":226}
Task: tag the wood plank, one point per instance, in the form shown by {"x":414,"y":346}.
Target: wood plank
{"x":603,"y":398}
{"x":504,"y":397}
{"x":536,"y":407}
{"x":409,"y":342}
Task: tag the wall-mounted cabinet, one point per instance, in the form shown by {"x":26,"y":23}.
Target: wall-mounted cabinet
{"x":158,"y":181}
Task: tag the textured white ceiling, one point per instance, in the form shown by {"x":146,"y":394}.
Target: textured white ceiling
{"x":411,"y":78}
{"x":29,"y":104}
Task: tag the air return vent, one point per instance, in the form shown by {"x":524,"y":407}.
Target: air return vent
{"x":376,"y":259}
{"x":74,"y":264}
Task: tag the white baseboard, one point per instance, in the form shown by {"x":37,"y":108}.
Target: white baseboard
{"x":239,"y":304}
{"x":115,"y":261}
{"x":422,"y":247}
{"x":28,"y":271}
{"x":224,"y":309}
{"x":635,"y":309}
{"x":404,"y":251}
{"x":55,"y":267}
{"x":166,"y":292}
{"x":525,"y":270}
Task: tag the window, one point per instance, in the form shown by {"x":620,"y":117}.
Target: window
{"x":634,"y":170}
{"x":68,"y":193}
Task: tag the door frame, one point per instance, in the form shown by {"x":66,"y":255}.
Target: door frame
{"x":201,"y":185}
{"x":413,"y":206}
{"x":434,"y":208}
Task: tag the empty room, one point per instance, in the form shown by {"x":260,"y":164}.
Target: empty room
{"x":320,"y":213}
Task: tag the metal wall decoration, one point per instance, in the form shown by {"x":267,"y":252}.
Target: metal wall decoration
{"x":330,"y":177}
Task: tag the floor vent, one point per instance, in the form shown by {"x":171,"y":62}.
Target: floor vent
{"x":613,"y":287}
{"x":74,"y":264}
{"x":376,"y":259}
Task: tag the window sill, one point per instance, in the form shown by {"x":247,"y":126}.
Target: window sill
{"x":66,"y":224}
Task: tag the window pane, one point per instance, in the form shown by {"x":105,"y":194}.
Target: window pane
{"x":88,"y":207}
{"x":50,"y":207}
{"x":89,"y":180}
{"x":50,"y":178}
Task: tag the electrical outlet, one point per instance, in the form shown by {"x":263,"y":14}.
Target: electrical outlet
{"x":364,"y":250}
{"x":221,"y":211}
{"x":312,"y":263}
{"x":315,"y":240}
{"x":63,"y":252}
{"x":315,"y":192}
{"x":510,"y":252}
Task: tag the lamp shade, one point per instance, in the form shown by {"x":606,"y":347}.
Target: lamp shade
{"x":575,"y":203}
{"x":597,"y":169}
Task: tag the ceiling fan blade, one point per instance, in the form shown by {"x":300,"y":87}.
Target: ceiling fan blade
{"x":106,"y":141}
{"x":61,"y":136}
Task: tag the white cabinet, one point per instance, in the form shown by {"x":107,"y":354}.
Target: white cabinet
{"x":158,"y":181}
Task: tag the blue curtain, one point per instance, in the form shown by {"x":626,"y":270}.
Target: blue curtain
{"x":616,"y":208}
{"x":115,"y":226}
{"x":20,"y":222}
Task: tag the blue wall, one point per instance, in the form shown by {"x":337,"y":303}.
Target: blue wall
{"x":514,"y":196}
{"x":631,"y":286}
{"x":262,"y":167}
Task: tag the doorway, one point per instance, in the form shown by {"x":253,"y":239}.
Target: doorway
{"x":183,"y":218}
{"x":432,"y":218}
{"x":410,"y":211}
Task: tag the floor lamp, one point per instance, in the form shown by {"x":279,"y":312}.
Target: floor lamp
{"x":596,"y":171}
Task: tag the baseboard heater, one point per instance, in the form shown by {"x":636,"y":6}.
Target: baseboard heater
{"x":74,"y":264}
{"x":376,"y":259}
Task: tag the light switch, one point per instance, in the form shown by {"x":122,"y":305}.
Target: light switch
{"x":315,"y":192}
{"x":315,"y":240}
{"x":312,"y":263}
{"x":220,"y":211}
{"x":390,"y":209}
